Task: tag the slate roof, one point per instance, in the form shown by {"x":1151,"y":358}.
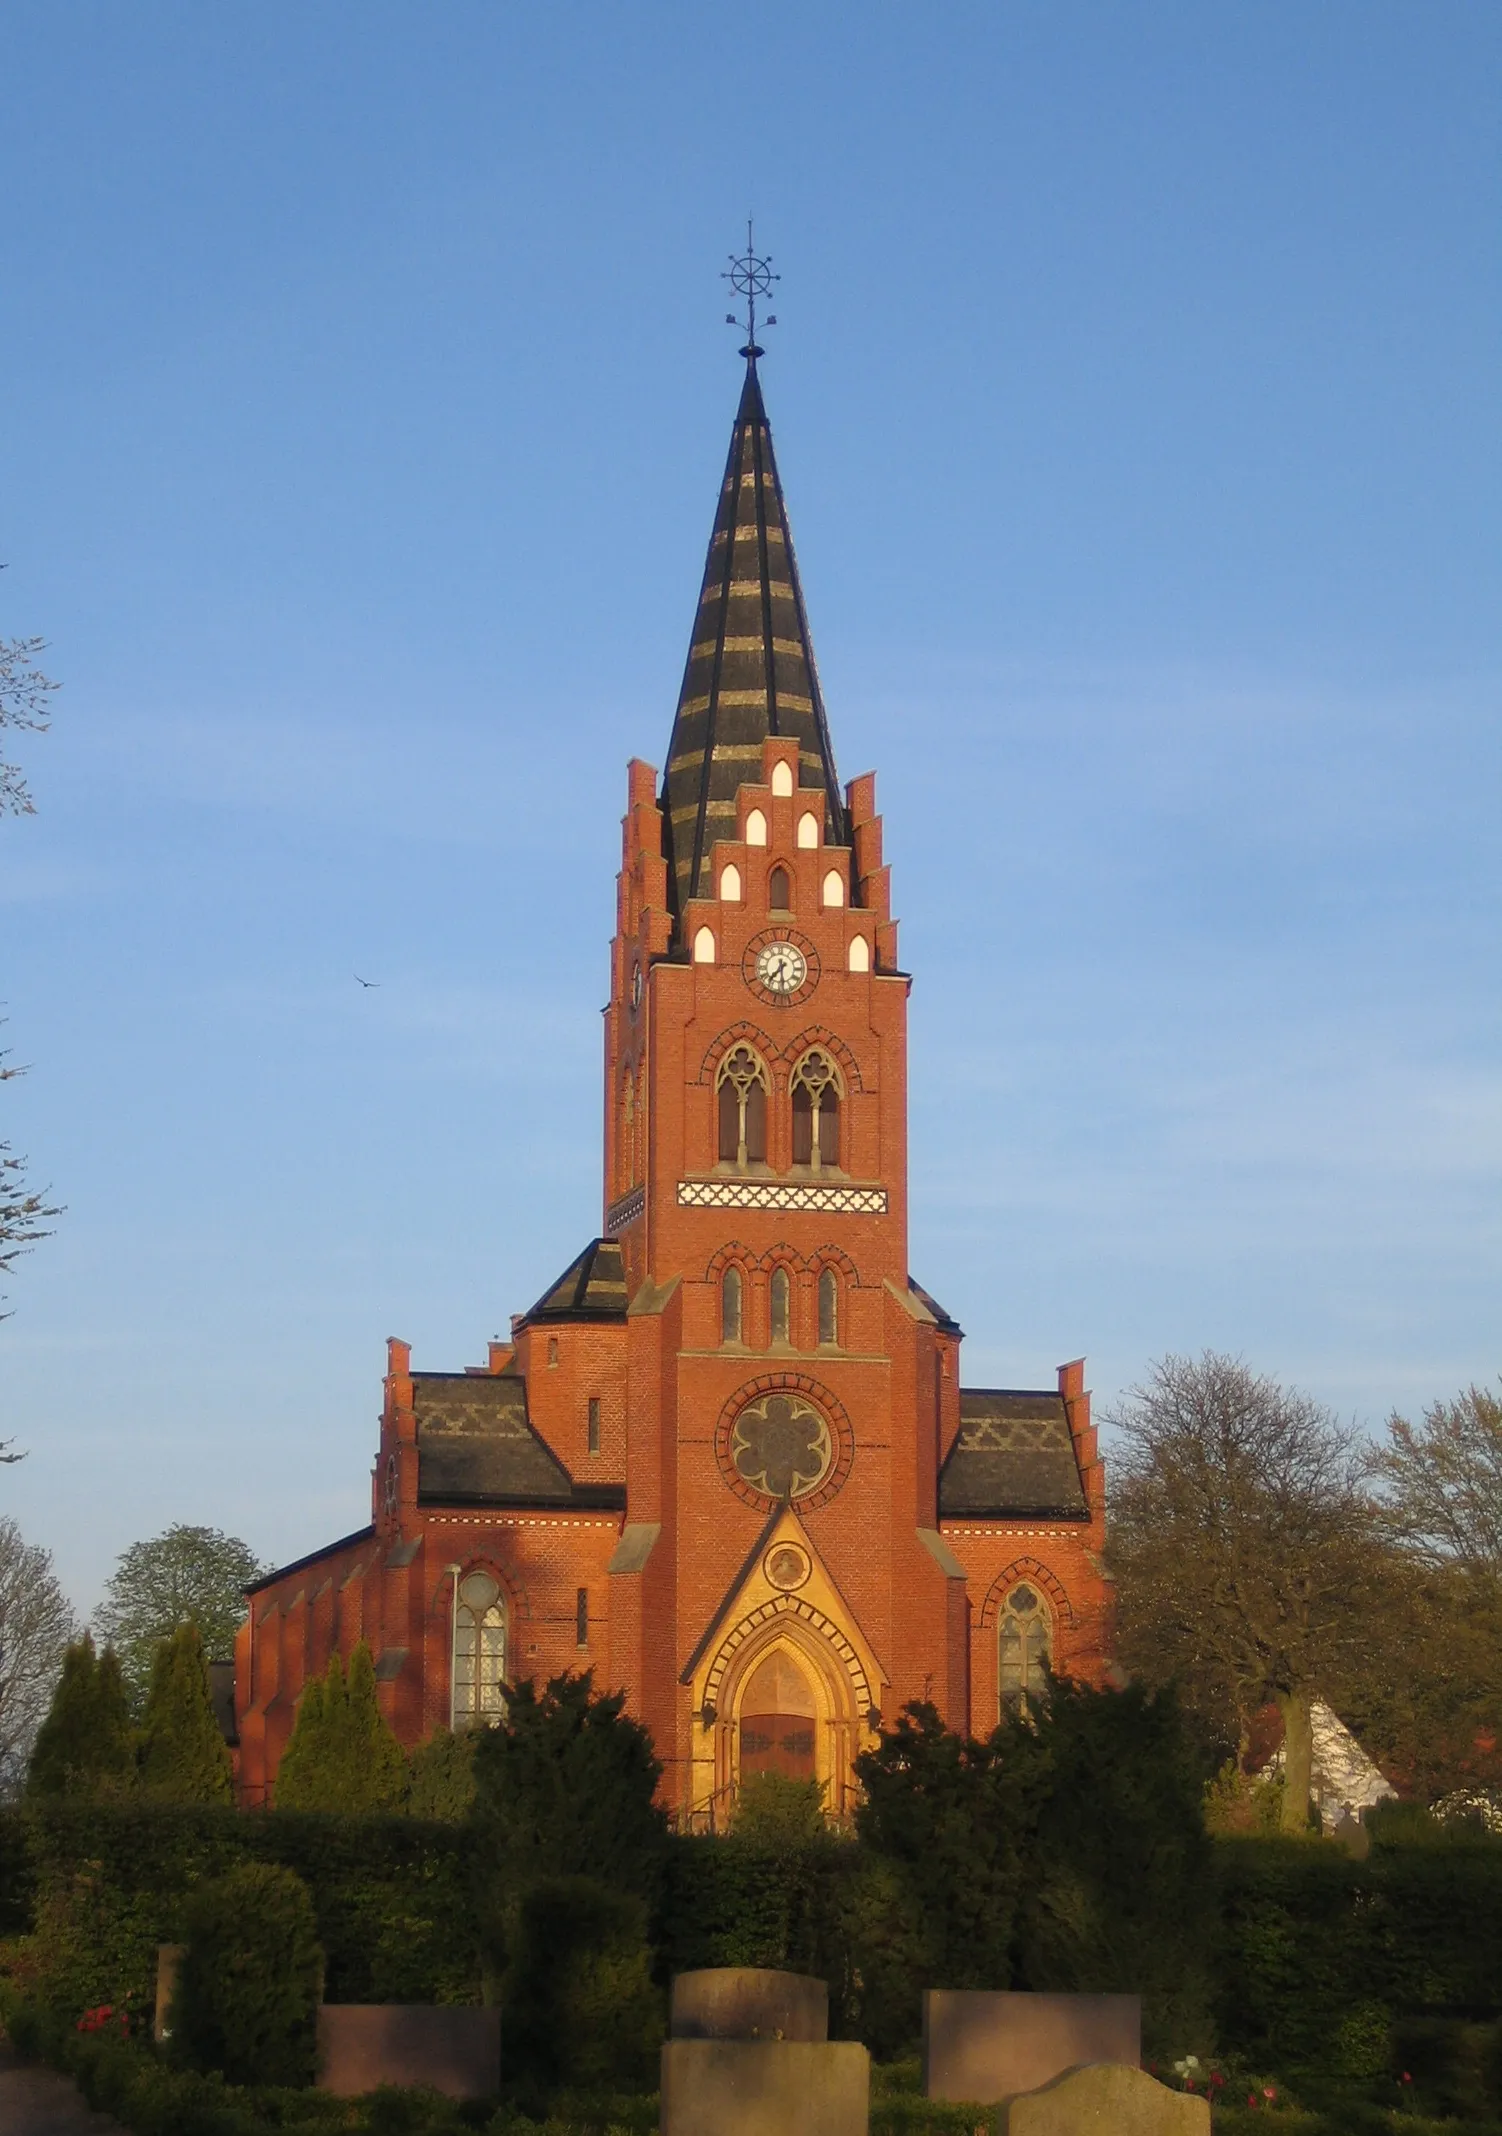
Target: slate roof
{"x":591,"y":1288}
{"x":945,"y":1320}
{"x":476,"y":1446}
{"x":750,"y":669}
{"x":1013,"y":1455}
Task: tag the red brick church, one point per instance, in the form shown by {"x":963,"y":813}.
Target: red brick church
{"x":726,"y":1460}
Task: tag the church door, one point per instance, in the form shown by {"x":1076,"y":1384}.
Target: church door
{"x":778,"y":1720}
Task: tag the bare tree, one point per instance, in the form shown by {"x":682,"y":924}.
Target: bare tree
{"x":24,"y":691}
{"x":1443,"y":1482}
{"x":36,"y":1624}
{"x":1243,"y":1542}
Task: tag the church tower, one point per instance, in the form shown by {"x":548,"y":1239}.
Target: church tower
{"x":726,"y":1460}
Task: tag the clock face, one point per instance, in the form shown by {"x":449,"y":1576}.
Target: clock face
{"x":781,"y":967}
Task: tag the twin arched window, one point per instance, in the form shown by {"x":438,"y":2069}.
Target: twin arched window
{"x":479,"y":1686}
{"x":743,"y":1084}
{"x":1025,"y":1636}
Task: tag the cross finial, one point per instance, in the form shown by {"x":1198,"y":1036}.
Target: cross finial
{"x":750,"y":276}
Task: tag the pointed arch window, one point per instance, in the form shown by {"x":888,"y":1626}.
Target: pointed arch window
{"x":816,"y":1112}
{"x":779,"y":891}
{"x":732,"y":1305}
{"x":781,"y":1293}
{"x":1025,"y":1652}
{"x":743,"y":1084}
{"x":829,"y":1308}
{"x":479,"y":1686}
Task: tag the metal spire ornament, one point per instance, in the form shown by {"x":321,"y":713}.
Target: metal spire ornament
{"x":750,"y":276}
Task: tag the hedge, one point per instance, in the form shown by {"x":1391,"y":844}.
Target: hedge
{"x":1322,"y":1965}
{"x":1323,"y":1959}
{"x":391,"y":1895}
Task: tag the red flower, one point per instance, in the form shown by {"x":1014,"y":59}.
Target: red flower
{"x":1252,"y":2099}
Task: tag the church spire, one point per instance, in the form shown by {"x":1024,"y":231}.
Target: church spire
{"x":750,"y":669}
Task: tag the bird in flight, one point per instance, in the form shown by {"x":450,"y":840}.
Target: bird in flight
{"x":367,"y":982}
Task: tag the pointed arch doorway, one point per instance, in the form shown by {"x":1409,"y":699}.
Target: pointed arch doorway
{"x":778,"y":1719}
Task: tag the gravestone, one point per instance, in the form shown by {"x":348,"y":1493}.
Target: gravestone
{"x":765,"y":2088}
{"x":1104,"y":2099}
{"x":985,"y":2045}
{"x":749,"y":2056}
{"x":746,"y":2002}
{"x":454,"y":2049}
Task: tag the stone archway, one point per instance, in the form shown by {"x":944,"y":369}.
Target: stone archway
{"x":788,"y":1706}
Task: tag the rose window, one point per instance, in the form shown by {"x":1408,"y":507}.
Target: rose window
{"x":781,"y":1445}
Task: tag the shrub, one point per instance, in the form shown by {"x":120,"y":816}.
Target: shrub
{"x":580,"y":2007}
{"x":250,"y":1978}
{"x":441,"y":1777}
{"x":777,"y":1812}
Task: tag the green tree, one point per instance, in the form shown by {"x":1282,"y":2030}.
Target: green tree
{"x":86,"y":1745}
{"x":565,"y":1786}
{"x":1244,"y":1542}
{"x":186,"y":1575}
{"x":183,"y":1756}
{"x":950,"y":1815}
{"x":36,"y":1625}
{"x":342,"y":1754}
{"x":1117,"y":1896}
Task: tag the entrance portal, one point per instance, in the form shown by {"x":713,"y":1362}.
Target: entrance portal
{"x":777,"y":1720}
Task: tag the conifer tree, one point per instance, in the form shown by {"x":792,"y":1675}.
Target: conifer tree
{"x":342,"y":1754}
{"x":183,"y":1755}
{"x":85,"y":1747}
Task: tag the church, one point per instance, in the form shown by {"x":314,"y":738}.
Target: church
{"x":726,"y":1461}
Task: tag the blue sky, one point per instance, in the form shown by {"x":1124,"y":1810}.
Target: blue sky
{"x":363,"y":396}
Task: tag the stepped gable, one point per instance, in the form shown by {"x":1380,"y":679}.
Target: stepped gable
{"x":750,"y":669}
{"x":1013,"y":1455}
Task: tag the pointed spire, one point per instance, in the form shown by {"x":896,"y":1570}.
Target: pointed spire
{"x":750,"y":670}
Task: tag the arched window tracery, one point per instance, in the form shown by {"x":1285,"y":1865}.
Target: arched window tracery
{"x":780,"y":1294}
{"x":1025,"y":1651}
{"x":742,"y":1083}
{"x":829,"y":1308}
{"x":479,"y":1686}
{"x":816,"y":1111}
{"x":732,"y":1305}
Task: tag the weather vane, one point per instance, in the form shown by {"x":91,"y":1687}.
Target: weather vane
{"x":750,"y":276}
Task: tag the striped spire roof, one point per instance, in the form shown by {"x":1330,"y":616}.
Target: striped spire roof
{"x":750,"y":669}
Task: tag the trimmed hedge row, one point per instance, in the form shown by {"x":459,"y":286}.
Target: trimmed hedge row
{"x":1321,"y":1965}
{"x":391,"y":1895}
{"x":1322,"y":1960}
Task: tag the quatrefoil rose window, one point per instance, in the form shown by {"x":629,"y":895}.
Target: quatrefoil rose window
{"x":781,"y":1446}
